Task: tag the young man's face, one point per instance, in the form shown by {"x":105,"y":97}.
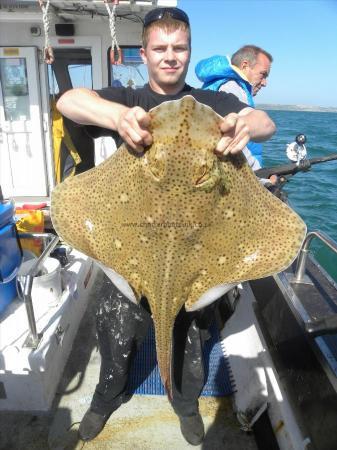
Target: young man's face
{"x":257,"y":75}
{"x":167,"y":56}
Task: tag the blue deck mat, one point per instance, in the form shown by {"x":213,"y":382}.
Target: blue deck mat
{"x":144,"y":375}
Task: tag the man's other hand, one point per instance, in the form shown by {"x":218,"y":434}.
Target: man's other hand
{"x":133,"y":127}
{"x":235,"y":135}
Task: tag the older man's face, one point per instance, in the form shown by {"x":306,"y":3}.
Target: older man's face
{"x":257,"y":74}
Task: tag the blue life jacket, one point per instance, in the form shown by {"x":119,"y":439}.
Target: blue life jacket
{"x":216,"y":71}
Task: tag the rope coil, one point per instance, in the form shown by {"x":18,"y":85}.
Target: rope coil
{"x":48,"y":50}
{"x":115,"y":57}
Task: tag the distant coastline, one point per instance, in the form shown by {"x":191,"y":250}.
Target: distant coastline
{"x":296,"y":108}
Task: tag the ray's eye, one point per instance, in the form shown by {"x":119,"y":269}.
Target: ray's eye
{"x":202,"y":175}
{"x":155,"y":163}
{"x":207,"y":175}
{"x":157,"y":168}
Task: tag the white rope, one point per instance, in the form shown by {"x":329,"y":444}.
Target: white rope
{"x":112,"y":25}
{"x":48,"y":51}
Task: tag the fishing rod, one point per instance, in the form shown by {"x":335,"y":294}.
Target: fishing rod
{"x":293,"y":168}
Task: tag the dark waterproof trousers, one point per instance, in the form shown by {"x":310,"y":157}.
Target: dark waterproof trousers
{"x":121,"y":328}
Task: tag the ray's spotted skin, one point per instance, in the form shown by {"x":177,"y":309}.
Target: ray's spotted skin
{"x":177,"y":220}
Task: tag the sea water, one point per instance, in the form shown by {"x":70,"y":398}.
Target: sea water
{"x":312,"y":194}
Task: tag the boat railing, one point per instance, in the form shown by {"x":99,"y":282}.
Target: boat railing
{"x":299,"y":276}
{"x":50,"y":242}
{"x":303,"y":255}
{"x":324,"y":319}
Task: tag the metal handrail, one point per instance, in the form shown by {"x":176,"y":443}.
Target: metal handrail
{"x":302,"y":259}
{"x":34,"y":339}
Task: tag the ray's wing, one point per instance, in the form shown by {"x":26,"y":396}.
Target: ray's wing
{"x":252,"y":235}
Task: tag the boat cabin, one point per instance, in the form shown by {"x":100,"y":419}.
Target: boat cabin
{"x":39,"y":149}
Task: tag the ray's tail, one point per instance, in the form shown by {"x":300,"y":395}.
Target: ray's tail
{"x":164,"y":346}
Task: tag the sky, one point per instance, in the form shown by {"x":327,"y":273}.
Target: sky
{"x":301,"y":35}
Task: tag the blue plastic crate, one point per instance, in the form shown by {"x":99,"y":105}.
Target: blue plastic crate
{"x":10,"y":255}
{"x":8,"y":291}
{"x":6,"y":212}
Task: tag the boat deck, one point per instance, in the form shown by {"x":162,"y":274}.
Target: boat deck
{"x":144,"y":422}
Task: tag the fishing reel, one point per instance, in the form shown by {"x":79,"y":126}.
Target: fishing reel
{"x":296,"y":151}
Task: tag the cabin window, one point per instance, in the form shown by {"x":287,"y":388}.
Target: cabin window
{"x":72,"y":68}
{"x":80,"y":75}
{"x":132,"y":72}
{"x":14,"y":83}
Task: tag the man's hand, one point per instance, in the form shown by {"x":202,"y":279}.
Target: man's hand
{"x":235,"y":135}
{"x":273,"y":179}
{"x":133,"y":127}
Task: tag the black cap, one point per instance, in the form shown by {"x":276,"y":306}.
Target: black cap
{"x":159,"y":13}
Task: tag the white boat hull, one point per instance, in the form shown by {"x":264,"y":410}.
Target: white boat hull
{"x":29,"y":377}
